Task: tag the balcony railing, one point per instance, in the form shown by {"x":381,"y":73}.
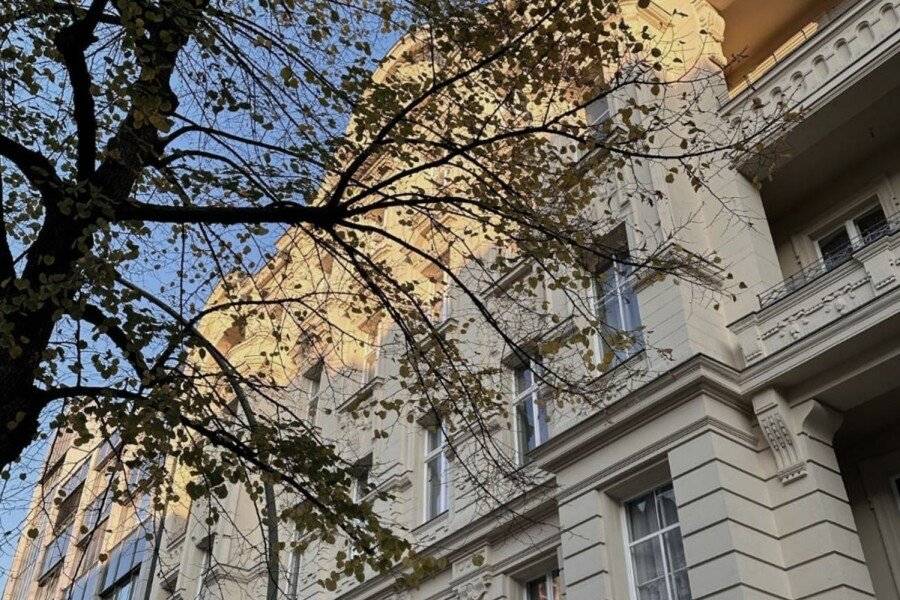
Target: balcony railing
{"x":864,"y":273}
{"x":815,"y":270}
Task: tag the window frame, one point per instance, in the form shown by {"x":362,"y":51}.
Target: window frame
{"x":438,"y":454}
{"x":295,"y":567}
{"x":863,"y":204}
{"x":628,"y":543}
{"x":530,"y":397}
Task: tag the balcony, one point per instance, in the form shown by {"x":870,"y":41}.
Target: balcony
{"x":819,"y":62}
{"x":822,"y":293}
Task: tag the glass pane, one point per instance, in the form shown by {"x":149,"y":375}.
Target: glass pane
{"x":526,"y":426}
{"x":872,"y":225}
{"x":835,"y":248}
{"x":543,"y":431}
{"x":647,"y":561}
{"x":681,"y":589}
{"x":435,"y":437}
{"x":653,"y":590}
{"x":674,"y":549}
{"x":434,"y":488}
{"x":642,"y":519}
{"x":524,"y":379}
{"x":668,"y":510}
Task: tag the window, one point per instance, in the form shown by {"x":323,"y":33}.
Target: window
{"x":294,"y":568}
{"x":123,"y":565}
{"x":598,"y":116}
{"x":655,"y":551}
{"x":98,"y":509}
{"x":361,"y":479}
{"x":439,"y":311}
{"x":123,"y":589}
{"x":313,"y":385}
{"x":206,"y":549}
{"x":370,"y":360}
{"x":436,"y":472}
{"x":84,"y":587}
{"x":836,"y":247}
{"x":616,"y":309}
{"x":531,"y":413}
{"x":543,"y":588}
{"x":56,"y":550}
{"x":108,"y":447}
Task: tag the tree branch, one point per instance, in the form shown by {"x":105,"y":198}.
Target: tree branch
{"x":72,"y":42}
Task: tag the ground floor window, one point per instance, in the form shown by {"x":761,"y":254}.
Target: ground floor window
{"x":655,"y":551}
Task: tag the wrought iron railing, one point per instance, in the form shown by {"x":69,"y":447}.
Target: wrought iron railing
{"x":812,"y":272}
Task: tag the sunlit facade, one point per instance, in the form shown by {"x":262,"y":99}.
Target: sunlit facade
{"x":759,"y":458}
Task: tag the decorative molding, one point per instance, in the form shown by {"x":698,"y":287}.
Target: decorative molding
{"x":712,"y":24}
{"x":473,"y":589}
{"x":773,"y":415}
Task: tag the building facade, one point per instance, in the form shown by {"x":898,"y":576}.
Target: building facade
{"x":759,"y":459}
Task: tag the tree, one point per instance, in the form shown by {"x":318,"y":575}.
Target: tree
{"x":153,"y":150}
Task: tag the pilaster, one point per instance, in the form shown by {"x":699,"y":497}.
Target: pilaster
{"x":820,"y":544}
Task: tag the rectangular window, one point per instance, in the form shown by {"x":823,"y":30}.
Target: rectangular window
{"x":838,"y":246}
{"x":617,"y":313}
{"x":361,"y":481}
{"x":531,"y":413}
{"x":655,"y":550}
{"x":543,"y":588}
{"x":56,"y":550}
{"x":436,"y":472}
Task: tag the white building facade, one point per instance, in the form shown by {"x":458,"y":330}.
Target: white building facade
{"x":761,"y":460}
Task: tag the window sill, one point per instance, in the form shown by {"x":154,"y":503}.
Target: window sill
{"x":432,"y":522}
{"x":360,"y":395}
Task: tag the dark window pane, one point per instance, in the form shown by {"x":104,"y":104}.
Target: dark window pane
{"x":835,"y":248}
{"x":647,"y":561}
{"x":642,"y":519}
{"x":872,"y":225}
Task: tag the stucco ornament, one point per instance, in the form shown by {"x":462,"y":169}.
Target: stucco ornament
{"x":713,"y":27}
{"x":474,"y":589}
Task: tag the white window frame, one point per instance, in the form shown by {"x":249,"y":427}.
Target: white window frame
{"x":295,"y":567}
{"x":548,"y":578}
{"x":445,"y":313}
{"x":438,"y":454}
{"x":597,"y":298}
{"x":629,"y":543}
{"x":529,"y":397}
